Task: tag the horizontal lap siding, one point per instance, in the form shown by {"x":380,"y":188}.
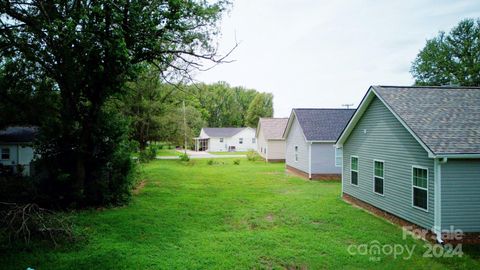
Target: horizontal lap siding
{"x":323,"y":159}
{"x":276,"y":149}
{"x":386,"y":139}
{"x":261,"y":143}
{"x":461,"y":195}
{"x":296,"y":137}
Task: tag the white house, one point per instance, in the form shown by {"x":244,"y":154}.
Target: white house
{"x":310,"y":137}
{"x":226,"y":139}
{"x":270,"y":141}
{"x":16,"y":152}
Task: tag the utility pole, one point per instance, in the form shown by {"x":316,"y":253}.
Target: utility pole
{"x":184,"y":128}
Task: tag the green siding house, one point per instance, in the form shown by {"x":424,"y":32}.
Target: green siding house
{"x":414,"y":152}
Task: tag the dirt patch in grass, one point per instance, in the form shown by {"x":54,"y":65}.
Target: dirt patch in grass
{"x":269,"y":218}
{"x":317,"y":222}
{"x":139,"y":187}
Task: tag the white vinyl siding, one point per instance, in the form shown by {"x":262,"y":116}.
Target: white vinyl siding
{"x":295,"y":137}
{"x":338,"y":157}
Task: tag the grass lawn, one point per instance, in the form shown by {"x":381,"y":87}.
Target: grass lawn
{"x":225,"y":216}
{"x":162,"y":153}
{"x":228,"y":153}
{"x":167,"y":152}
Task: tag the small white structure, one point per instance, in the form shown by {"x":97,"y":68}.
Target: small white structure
{"x":226,"y":139}
{"x":271,"y":144}
{"x":16,"y":152}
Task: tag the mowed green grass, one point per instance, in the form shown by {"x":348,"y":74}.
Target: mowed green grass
{"x":228,"y":153}
{"x":167,"y":152}
{"x":162,"y":153}
{"x":225,"y":216}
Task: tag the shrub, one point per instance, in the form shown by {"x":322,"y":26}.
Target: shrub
{"x":210,"y":162}
{"x":236,"y":162}
{"x":184,"y":157}
{"x":253,"y":156}
{"x":72,"y":176}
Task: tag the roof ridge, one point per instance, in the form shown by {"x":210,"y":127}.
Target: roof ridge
{"x":322,"y":109}
{"x":429,"y":86}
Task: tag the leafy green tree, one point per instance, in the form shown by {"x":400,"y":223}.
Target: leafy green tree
{"x":452,"y":58}
{"x":146,"y":100}
{"x":172,"y":128}
{"x":25,"y":96}
{"x":221,"y":104}
{"x":89,"y":49}
{"x":261,"y":106}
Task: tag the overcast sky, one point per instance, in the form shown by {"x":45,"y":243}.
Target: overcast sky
{"x":322,"y":54}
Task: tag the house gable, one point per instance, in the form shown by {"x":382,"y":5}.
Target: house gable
{"x":379,"y":135}
{"x":295,"y":137}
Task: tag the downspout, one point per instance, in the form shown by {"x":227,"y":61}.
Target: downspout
{"x":310,"y":160}
{"x":341,"y":195}
{"x":437,"y":164}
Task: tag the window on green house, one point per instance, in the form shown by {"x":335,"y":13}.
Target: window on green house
{"x":354,"y":171}
{"x":420,"y":187}
{"x":378,"y":176}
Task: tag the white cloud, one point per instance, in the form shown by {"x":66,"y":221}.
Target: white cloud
{"x":326,"y":53}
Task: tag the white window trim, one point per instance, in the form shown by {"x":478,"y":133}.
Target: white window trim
{"x":295,"y":153}
{"x":358,"y":169}
{"x":428,"y":173}
{"x":221,"y":140}
{"x":240,"y":140}
{"x":383,"y":178}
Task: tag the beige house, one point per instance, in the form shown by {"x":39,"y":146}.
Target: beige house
{"x":270,"y":144}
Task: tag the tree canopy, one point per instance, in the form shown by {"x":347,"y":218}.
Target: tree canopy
{"x":154,"y":107}
{"x":81,"y":53}
{"x":452,"y":58}
{"x":261,"y":106}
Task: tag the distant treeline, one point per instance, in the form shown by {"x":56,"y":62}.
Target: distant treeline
{"x":155,"y":108}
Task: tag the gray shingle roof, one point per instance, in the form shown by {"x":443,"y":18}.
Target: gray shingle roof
{"x":18,"y":134}
{"x":323,"y":124}
{"x":445,"y":119}
{"x":273,"y":128}
{"x":222,"y":132}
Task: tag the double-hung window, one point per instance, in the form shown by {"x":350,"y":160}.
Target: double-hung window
{"x":354,"y":170}
{"x":221,"y":139}
{"x":254,"y":140}
{"x":378,"y":176}
{"x":5,"y":153}
{"x":240,"y":140}
{"x":420,"y":187}
{"x":296,"y":153}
